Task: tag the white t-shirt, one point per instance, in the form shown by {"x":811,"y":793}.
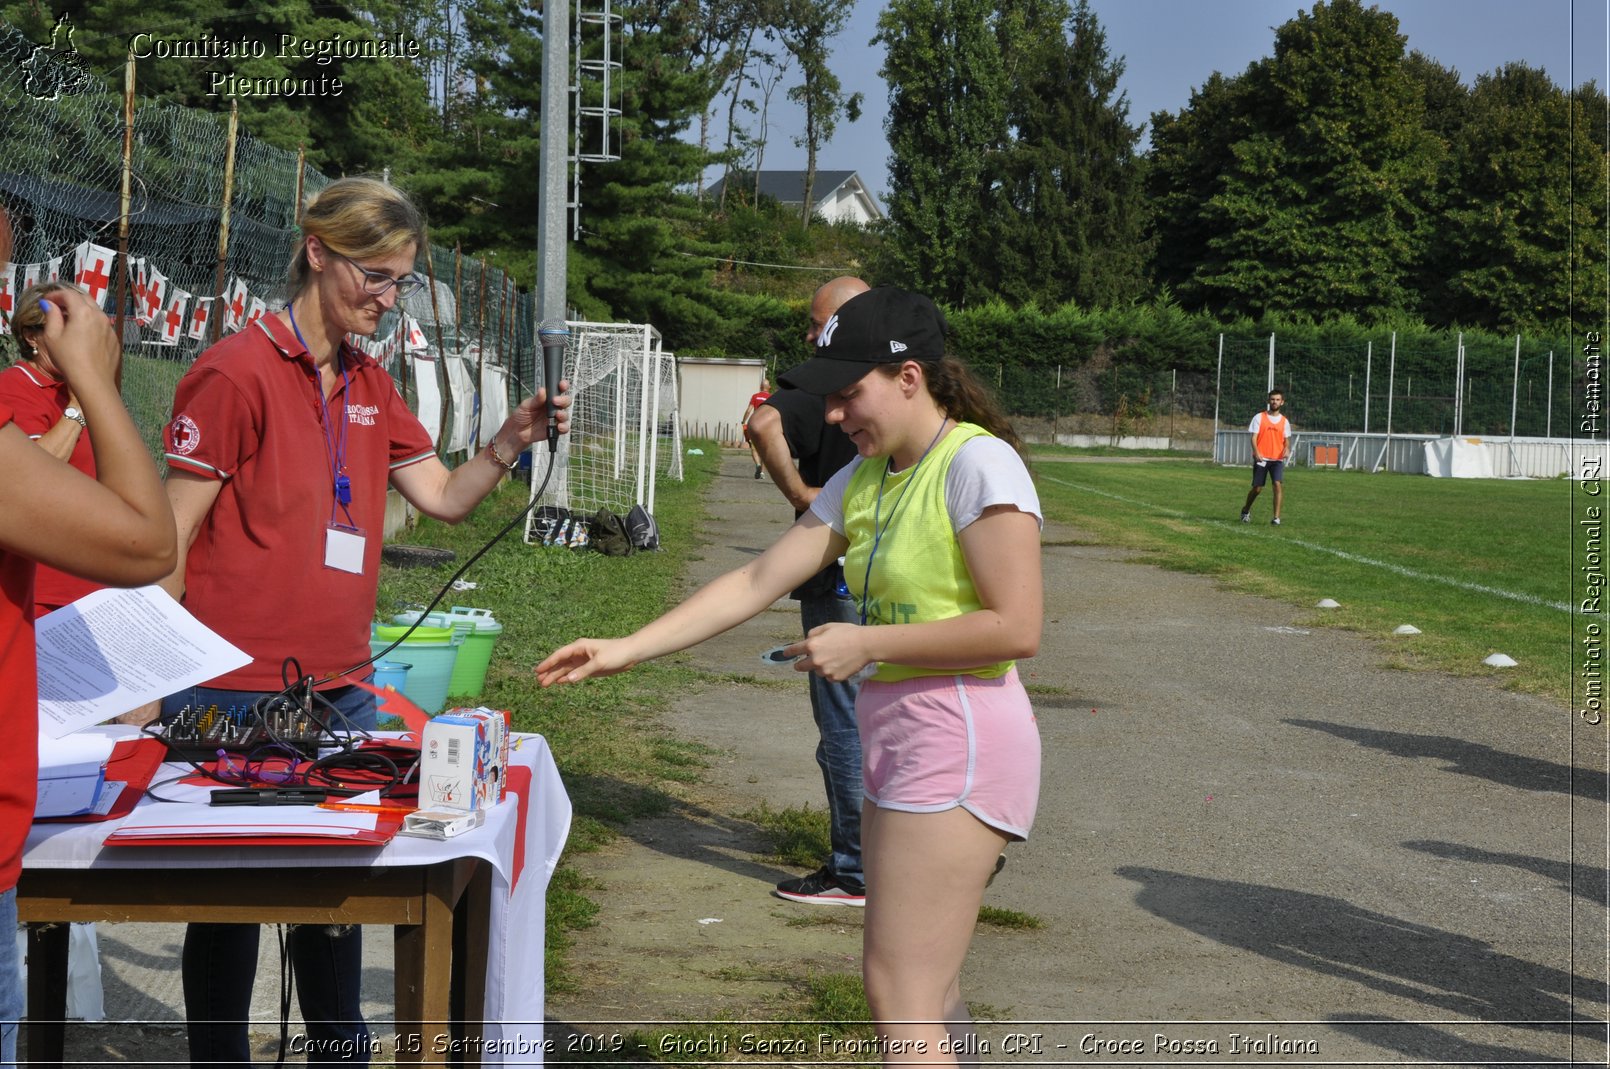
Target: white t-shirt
{"x":986,"y":471}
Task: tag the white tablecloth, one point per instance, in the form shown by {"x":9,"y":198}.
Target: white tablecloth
{"x":514,"y":977}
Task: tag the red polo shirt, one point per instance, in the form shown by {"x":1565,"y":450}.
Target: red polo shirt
{"x":37,"y":402}
{"x":250,"y":413}
{"x":19,"y":705}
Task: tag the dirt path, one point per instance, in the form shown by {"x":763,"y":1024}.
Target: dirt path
{"x":1249,"y":828}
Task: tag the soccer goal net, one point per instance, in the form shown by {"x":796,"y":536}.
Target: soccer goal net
{"x":625,"y":430}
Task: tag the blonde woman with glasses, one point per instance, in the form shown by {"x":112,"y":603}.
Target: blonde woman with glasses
{"x":283,"y":441}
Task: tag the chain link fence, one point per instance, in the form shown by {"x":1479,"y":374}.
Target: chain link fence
{"x":1445,"y":389}
{"x":1528,"y":387}
{"x":1104,"y":403}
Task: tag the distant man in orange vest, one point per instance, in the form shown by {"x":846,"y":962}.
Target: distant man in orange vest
{"x":1271,"y":447}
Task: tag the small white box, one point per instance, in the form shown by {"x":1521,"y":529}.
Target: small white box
{"x":463,"y":755}
{"x":442,"y":823}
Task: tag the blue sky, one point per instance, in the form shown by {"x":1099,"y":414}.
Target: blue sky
{"x":1171,"y":46}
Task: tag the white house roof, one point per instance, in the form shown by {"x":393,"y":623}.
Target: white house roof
{"x":788,"y":187}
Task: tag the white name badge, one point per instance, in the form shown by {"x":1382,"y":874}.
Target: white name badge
{"x":343,"y":549}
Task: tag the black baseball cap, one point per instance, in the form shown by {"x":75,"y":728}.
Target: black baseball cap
{"x":885,"y":325}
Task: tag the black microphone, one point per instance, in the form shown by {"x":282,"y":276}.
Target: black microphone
{"x":554,"y":336}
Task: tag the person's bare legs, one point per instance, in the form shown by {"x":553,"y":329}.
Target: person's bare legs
{"x":925,"y":875}
{"x":1280,"y":495}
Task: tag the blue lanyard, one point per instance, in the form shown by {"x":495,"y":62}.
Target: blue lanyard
{"x":877,"y":531}
{"x":336,"y":454}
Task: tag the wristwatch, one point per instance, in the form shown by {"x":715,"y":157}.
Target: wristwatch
{"x":75,"y":415}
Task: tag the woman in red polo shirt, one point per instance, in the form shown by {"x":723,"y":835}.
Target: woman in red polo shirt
{"x":116,"y":529}
{"x":283,"y":440}
{"x":44,"y":408}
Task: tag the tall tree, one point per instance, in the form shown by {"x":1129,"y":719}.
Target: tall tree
{"x":1524,"y":203}
{"x":1069,"y":225}
{"x":1319,"y":204}
{"x":806,"y":29}
{"x":947,"y":114}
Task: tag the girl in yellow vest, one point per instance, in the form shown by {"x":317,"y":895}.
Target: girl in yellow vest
{"x":939,"y":525}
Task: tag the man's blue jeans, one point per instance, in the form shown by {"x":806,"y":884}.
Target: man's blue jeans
{"x":839,"y":750}
{"x":220,"y":960}
{"x":12,"y":1002}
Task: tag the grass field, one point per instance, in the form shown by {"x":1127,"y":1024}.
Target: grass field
{"x":1480,"y":566}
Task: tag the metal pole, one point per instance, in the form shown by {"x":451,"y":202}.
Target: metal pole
{"x":1056,"y":402}
{"x":1391,"y":380}
{"x":1369,"y":358}
{"x":1271,"y":385}
{"x":1459,"y":386}
{"x":1549,"y":401}
{"x":551,"y":160}
{"x":1173,"y":401}
{"x":1514,"y":388}
{"x":1218,"y":388}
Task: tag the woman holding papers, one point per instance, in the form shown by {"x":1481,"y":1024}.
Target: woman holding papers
{"x":283,"y":441}
{"x":115,"y":528}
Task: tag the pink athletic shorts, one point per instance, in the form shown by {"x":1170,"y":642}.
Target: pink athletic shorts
{"x":937,"y":742}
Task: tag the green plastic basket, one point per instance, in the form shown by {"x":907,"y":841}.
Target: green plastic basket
{"x":431,"y":653}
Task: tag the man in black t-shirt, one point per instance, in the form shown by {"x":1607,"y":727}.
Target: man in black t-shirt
{"x":792,"y":426}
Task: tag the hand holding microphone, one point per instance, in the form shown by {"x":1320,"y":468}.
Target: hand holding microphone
{"x":554,"y":335}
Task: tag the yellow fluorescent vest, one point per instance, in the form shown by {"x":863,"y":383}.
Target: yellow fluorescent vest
{"x":918,"y":573}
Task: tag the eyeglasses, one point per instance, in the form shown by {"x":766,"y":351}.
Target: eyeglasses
{"x":378,"y":282}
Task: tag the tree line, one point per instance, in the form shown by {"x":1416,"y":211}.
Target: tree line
{"x":1343,"y":177}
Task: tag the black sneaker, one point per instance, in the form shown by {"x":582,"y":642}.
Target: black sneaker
{"x":757,"y":471}
{"x":1246,"y":517}
{"x":823,"y":888}
{"x":1000,"y":863}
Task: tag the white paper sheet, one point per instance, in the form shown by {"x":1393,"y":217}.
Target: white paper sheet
{"x":115,"y":650}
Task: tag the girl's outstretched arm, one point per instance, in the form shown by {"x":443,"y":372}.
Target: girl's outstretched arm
{"x":726,"y":601}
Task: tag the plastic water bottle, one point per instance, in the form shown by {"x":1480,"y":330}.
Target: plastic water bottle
{"x":843,"y":589}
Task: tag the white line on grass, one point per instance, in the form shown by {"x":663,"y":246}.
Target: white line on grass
{"x":1397,"y":569}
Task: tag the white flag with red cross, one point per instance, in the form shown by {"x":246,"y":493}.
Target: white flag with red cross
{"x":8,"y":296}
{"x":92,"y":270}
{"x":52,"y":269}
{"x":199,"y":317}
{"x":255,"y":311}
{"x":171,"y":320}
{"x":149,"y":308}
{"x":235,"y":305}
{"x":415,"y":335}
{"x":30,"y":275}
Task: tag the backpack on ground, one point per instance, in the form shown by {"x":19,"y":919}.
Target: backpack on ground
{"x":609,"y":534}
{"x":641,"y":528}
